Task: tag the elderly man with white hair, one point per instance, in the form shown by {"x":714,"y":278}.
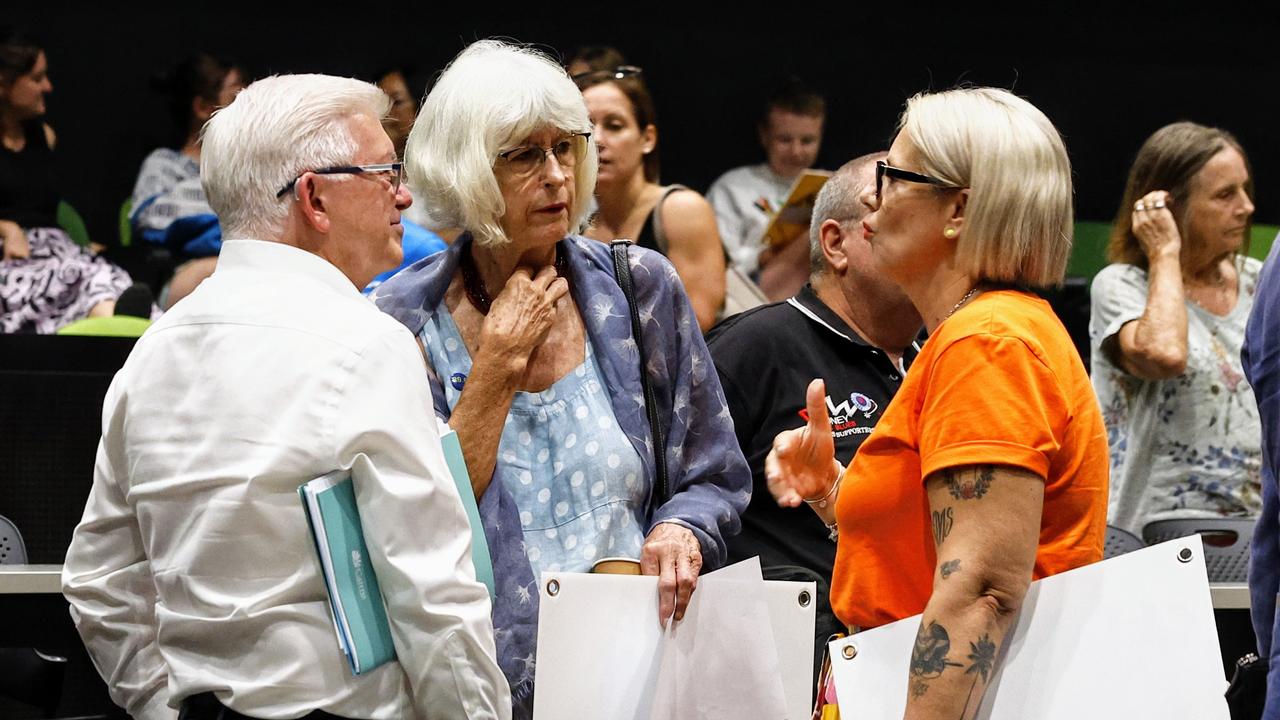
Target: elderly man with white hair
{"x":192,"y":577}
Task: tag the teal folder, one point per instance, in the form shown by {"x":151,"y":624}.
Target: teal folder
{"x":359,"y":615}
{"x":479,"y":546}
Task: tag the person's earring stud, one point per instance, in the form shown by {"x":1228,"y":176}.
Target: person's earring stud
{"x":949,"y":233}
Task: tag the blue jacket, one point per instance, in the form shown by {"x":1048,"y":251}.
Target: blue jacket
{"x":708,"y":477}
{"x":1260,"y":358}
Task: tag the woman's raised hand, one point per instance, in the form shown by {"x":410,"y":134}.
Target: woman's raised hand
{"x":1154,"y":226}
{"x":802,"y":463}
{"x":523,"y":313}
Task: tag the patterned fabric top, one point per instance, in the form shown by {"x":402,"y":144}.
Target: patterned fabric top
{"x":571,"y":470}
{"x":1185,"y":447}
{"x":709,"y":480}
{"x":169,"y":206}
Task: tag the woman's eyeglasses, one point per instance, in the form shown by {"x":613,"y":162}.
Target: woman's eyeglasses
{"x":526,"y":160}
{"x":883,"y":168}
{"x":618,"y":73}
{"x":394,"y":172}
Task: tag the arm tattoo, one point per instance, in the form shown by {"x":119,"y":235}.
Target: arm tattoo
{"x":942,"y":521}
{"x":982,"y":656}
{"x":949,"y":567}
{"x":969,"y":484}
{"x":929,"y":657}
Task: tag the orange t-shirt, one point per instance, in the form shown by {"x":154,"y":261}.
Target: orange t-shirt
{"x":998,"y":383}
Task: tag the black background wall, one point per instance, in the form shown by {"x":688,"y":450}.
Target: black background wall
{"x":1106,"y":78}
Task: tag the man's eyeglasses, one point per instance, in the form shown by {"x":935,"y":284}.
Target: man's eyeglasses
{"x":618,"y":73}
{"x":394,"y":171}
{"x":883,"y":168}
{"x":527,"y":160}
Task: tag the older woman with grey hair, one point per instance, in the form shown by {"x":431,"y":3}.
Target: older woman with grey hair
{"x":532,"y":360}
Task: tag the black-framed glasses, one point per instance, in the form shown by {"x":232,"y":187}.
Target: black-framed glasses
{"x":394,"y":171}
{"x":618,"y":73}
{"x":526,"y":160}
{"x":883,"y":168}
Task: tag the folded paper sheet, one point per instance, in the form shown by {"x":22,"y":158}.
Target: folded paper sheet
{"x":1130,"y":637}
{"x":602,"y":652}
{"x":725,"y":637}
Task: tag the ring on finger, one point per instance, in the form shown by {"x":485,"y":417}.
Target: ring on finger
{"x":1157,"y":205}
{"x":1139,"y":206}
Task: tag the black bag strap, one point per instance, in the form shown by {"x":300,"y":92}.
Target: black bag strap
{"x":622,"y":271}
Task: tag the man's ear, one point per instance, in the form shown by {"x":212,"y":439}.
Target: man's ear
{"x":831,"y":236}
{"x":311,"y":201}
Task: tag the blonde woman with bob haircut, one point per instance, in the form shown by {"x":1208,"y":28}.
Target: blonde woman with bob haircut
{"x":989,"y":467}
{"x":531,"y":357}
{"x":1166,"y":329}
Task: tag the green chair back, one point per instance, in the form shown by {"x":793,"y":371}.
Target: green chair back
{"x":126,"y":228}
{"x":1260,"y":240}
{"x":110,"y":326}
{"x":1089,"y":249}
{"x":70,"y":220}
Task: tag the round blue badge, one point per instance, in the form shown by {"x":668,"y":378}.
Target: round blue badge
{"x":457,"y":380}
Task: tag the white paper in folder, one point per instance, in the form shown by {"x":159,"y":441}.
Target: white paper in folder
{"x":602,"y":653}
{"x":1129,"y":637}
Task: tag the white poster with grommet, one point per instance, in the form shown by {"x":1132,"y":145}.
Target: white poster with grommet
{"x":743,"y":649}
{"x":1130,"y":637}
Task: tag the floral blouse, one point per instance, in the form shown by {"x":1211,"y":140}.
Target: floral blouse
{"x":1188,"y":446}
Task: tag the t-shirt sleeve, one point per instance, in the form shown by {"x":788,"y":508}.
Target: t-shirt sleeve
{"x":991,"y":400}
{"x":1118,"y":295}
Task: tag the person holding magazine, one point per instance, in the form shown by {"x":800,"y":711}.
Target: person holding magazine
{"x":531,"y":358}
{"x":192,"y":578}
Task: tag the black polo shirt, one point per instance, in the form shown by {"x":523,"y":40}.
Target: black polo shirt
{"x":766,"y":357}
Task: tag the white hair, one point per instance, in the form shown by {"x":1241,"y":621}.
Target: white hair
{"x":492,"y":96}
{"x":1018,"y":218}
{"x":276,"y":129}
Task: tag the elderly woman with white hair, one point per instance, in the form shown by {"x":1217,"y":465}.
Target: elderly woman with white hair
{"x":989,"y":468}
{"x":531,"y":356}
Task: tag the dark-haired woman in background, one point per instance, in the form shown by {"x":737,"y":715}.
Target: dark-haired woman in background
{"x":673,"y":220}
{"x":169,"y":207}
{"x":1168,"y":322}
{"x":46,"y":280}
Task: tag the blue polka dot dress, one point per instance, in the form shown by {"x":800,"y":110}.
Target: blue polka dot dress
{"x":575,"y":476}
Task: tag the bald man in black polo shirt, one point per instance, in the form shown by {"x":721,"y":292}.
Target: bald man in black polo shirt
{"x":850,"y":326}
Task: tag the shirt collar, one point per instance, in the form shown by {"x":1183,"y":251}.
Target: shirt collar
{"x":809,"y":305}
{"x":276,"y":257}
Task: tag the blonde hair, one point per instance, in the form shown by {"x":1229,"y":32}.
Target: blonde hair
{"x":492,"y":95}
{"x":1018,"y":218}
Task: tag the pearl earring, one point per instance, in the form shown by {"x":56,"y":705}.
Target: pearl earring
{"x":949,"y":233}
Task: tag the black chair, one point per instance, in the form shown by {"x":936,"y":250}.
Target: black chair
{"x":32,"y":677}
{"x":1226,"y":543}
{"x":26,"y":674}
{"x":12,"y":550}
{"x":1120,"y":542}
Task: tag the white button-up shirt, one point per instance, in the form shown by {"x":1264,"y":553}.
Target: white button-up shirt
{"x":193,"y":570}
